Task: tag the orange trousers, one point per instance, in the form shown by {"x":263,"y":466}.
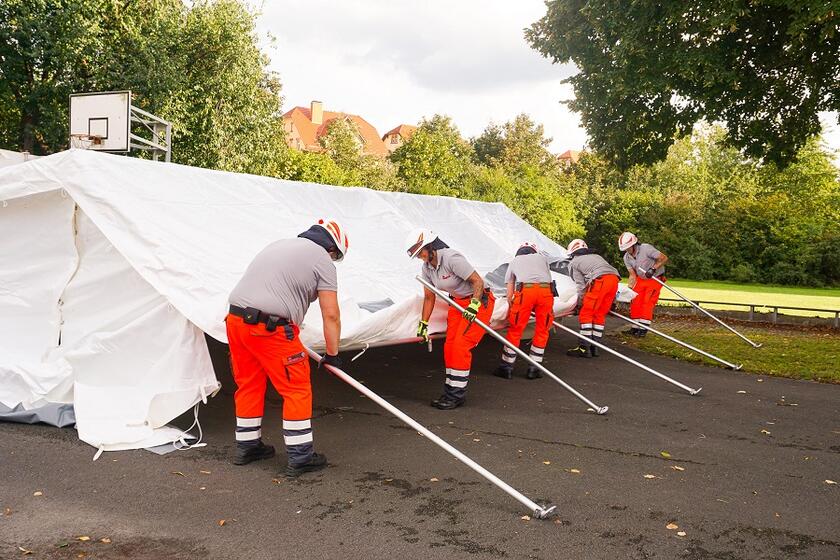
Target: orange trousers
{"x":258,"y":355}
{"x":461,"y":338}
{"x":540,"y":301}
{"x":597,"y":301}
{"x":647,"y":294}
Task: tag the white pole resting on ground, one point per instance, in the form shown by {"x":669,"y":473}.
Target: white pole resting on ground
{"x":676,"y":340}
{"x":503,"y":340}
{"x":630,"y":360}
{"x":538,"y":511}
{"x":747,"y":340}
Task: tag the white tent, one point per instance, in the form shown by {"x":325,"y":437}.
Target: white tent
{"x":115,"y":267}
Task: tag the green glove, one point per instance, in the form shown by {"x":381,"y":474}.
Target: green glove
{"x":472,"y":310}
{"x":423,"y":330}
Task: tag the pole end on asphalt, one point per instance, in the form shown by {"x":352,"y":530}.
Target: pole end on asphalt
{"x":738,"y":367}
{"x":695,"y":391}
{"x":759,"y":345}
{"x":602,"y":410}
{"x":544,"y":513}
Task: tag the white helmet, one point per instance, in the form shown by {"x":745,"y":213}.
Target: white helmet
{"x":626,"y":240}
{"x":576,"y":244}
{"x":338,"y":235}
{"x":417,"y":239}
{"x":529,"y":244}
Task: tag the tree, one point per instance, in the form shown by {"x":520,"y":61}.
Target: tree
{"x":197,"y":65}
{"x":649,"y":70}
{"x":435,"y":160}
{"x":520,"y":142}
{"x":343,"y":143}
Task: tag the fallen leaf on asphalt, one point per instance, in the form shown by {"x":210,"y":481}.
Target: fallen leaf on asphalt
{"x":204,"y":472}
{"x":105,"y":540}
{"x":433,"y":479}
{"x":742,"y":392}
{"x":546,"y":462}
{"x":680,"y":533}
{"x":476,"y":439}
{"x":672,"y":526}
{"x":830,"y":482}
{"x":760,"y":380}
{"x":677,"y":468}
{"x":574,"y":471}
{"x":665,"y":454}
{"x":765,"y":432}
{"x":221,"y":522}
{"x":274,"y":480}
{"x":62,"y":545}
{"x":202,"y":488}
{"x":25,"y":550}
{"x":83,"y":538}
{"x":525,"y":518}
{"x":7,"y":512}
{"x":650,"y":476}
{"x":179,"y":473}
{"x":39,"y":493}
{"x":389,"y":480}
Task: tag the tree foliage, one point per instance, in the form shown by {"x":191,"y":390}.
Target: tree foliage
{"x":649,"y":70}
{"x":198,"y":66}
{"x":517,"y":143}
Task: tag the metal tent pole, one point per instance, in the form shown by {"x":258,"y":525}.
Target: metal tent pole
{"x":630,"y":360}
{"x":538,"y":511}
{"x":676,"y":341}
{"x":750,"y":342}
{"x":503,"y":340}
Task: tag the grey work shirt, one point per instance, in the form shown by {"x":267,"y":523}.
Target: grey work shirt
{"x":451,"y":273}
{"x":285,"y":277}
{"x":585,"y":268}
{"x":531,"y":268}
{"x":646,"y":255}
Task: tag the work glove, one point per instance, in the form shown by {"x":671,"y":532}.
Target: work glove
{"x":331,"y":360}
{"x":650,"y":272}
{"x":472,"y":310}
{"x":423,"y":330}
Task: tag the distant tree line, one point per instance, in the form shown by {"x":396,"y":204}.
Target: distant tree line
{"x":718,"y":213}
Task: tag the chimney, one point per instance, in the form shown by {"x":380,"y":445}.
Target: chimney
{"x":317,"y":112}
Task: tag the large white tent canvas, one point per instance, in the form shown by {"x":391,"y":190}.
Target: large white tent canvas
{"x":115,"y":267}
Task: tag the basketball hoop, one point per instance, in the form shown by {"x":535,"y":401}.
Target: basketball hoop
{"x":85,"y":141}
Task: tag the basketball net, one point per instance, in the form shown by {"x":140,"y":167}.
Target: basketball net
{"x":85,"y":141}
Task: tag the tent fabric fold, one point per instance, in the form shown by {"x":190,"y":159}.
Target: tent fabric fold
{"x":115,"y":267}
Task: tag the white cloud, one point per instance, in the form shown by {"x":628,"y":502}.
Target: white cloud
{"x":394,"y":62}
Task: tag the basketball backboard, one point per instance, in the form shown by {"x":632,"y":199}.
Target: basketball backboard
{"x":101,"y":121}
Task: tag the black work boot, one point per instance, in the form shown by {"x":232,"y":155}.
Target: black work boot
{"x":640,"y":333}
{"x":632,"y":331}
{"x":504,"y":371}
{"x":579,"y":351}
{"x":448,"y":402}
{"x":247,"y":453}
{"x":533,"y":373}
{"x":593,"y":350}
{"x":315,"y":463}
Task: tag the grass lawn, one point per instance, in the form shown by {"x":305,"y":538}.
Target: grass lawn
{"x":819,"y":298}
{"x":799,"y":353}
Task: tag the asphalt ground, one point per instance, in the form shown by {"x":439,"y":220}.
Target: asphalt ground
{"x":741,"y":469}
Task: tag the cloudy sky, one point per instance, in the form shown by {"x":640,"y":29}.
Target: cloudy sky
{"x":396,"y":61}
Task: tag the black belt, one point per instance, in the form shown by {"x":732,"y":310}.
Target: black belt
{"x":252,"y":316}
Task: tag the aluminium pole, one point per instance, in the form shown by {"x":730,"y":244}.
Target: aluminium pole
{"x":630,"y":360}
{"x":753,"y":344}
{"x":676,"y":341}
{"x":503,"y":340}
{"x":538,"y":511}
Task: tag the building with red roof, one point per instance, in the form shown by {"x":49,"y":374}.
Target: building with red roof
{"x":304,"y":127}
{"x":396,"y":137}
